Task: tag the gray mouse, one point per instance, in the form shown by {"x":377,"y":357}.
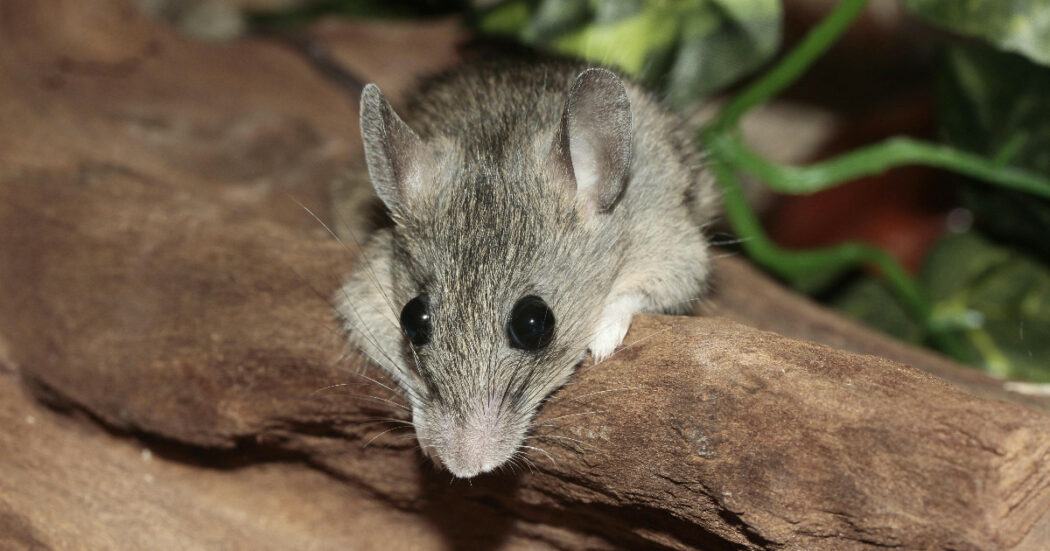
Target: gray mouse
{"x":536,"y":208}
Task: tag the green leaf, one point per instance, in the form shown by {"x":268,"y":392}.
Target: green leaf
{"x":994,"y":299}
{"x":869,"y":301}
{"x":998,"y":105}
{"x":506,"y":19}
{"x":1021,"y":26}
{"x":686,"y":48}
{"x":997,"y":299}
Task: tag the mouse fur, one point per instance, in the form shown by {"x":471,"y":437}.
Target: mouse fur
{"x":505,"y":180}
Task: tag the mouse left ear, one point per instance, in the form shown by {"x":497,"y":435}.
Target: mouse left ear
{"x":396,"y":156}
{"x":592,"y":146}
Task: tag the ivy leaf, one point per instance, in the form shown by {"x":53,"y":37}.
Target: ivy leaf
{"x":994,"y":298}
{"x":1021,"y":26}
{"x":685,"y":48}
{"x":869,"y":301}
{"x":997,"y":299}
{"x":998,"y":105}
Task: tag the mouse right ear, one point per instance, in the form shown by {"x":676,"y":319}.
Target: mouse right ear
{"x":396,"y":157}
{"x":592,"y":147}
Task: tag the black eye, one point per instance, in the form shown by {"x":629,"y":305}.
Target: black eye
{"x":531,"y":325}
{"x":415,"y":320}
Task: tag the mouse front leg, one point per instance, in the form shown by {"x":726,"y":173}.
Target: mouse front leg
{"x":613,"y":324}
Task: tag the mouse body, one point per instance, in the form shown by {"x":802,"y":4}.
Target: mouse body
{"x":536,"y":207}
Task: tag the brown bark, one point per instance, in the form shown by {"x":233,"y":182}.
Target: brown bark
{"x":159,"y":280}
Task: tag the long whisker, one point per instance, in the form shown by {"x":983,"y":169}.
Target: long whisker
{"x":360,"y":248}
{"x":528,"y":463}
{"x":388,"y":420}
{"x":322,"y":389}
{"x":376,"y":398}
{"x":369,"y":272}
{"x":546,"y":436}
{"x":633,"y":344}
{"x":401,"y":391}
{"x":597,"y":392}
{"x":544,"y":452}
{"x":397,"y":391}
{"x":393,"y":366}
{"x":373,"y":439}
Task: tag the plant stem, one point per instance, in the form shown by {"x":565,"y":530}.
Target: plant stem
{"x":794,"y":63}
{"x":872,"y":159}
{"x":729,"y":154}
{"x":795,"y":265}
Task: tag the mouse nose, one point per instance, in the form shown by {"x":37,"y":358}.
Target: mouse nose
{"x":477,"y":447}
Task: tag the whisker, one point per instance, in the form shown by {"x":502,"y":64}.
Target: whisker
{"x":597,"y":392}
{"x":360,"y":248}
{"x":388,"y":420}
{"x":376,"y":398}
{"x":528,"y":463}
{"x":397,"y":391}
{"x":578,"y":442}
{"x":374,"y":281}
{"x":367,"y":379}
{"x":368,"y":332}
{"x":633,"y":344}
{"x":373,"y":439}
{"x":570,"y":415}
{"x":544,"y":452}
{"x":322,"y":389}
{"x":370,"y":336}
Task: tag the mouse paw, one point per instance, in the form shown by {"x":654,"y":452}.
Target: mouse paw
{"x":613,"y":326}
{"x":606,"y":341}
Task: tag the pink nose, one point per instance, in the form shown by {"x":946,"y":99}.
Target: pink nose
{"x":477,"y":448}
{"x":465,"y":466}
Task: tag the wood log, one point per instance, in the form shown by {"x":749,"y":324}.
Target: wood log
{"x":158,"y":281}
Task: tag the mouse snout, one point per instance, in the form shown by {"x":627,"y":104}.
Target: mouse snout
{"x":476,"y":444}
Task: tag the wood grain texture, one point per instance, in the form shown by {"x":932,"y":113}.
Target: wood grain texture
{"x":160,"y":281}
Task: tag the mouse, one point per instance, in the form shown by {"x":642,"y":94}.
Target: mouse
{"x":536,"y":207}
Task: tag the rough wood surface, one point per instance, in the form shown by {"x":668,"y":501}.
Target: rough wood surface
{"x":743,"y":294}
{"x":159,"y":280}
{"x":67,"y":485}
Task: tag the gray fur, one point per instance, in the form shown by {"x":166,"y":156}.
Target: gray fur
{"x":495,"y":219}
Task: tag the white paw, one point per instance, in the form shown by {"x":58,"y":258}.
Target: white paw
{"x":609,"y":335}
{"x":613,"y":325}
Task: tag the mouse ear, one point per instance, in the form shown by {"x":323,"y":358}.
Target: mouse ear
{"x":593,"y":144}
{"x":396,"y":157}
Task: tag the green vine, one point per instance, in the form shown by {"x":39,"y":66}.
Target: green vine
{"x":730,"y":156}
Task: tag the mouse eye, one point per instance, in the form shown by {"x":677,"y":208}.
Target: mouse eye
{"x":415,"y":320}
{"x":531,"y":325}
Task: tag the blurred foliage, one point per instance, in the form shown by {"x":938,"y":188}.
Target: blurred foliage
{"x":871,"y":302}
{"x":1021,"y":26}
{"x":686,"y":48}
{"x":998,"y":104}
{"x":995,"y":298}
{"x":380,"y":9}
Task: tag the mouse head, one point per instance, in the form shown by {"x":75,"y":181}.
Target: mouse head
{"x":503,"y":253}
